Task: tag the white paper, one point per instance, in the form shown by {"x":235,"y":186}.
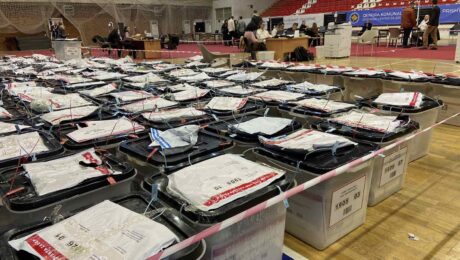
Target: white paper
{"x":56,"y":117}
{"x":218,"y":181}
{"x":324,"y":105}
{"x":393,"y":166}
{"x":226,"y":103}
{"x":218,"y":83}
{"x":177,"y":87}
{"x":307,"y":87}
{"x":239,"y":90}
{"x":131,"y":95}
{"x":190,"y":94}
{"x":104,"y":231}
{"x":270,"y":83}
{"x":66,"y":172}
{"x":263,"y":125}
{"x":307,"y":140}
{"x":242,"y":77}
{"x":148,"y":105}
{"x":358,"y":119}
{"x":347,"y":200}
{"x":215,"y":70}
{"x":182,"y":73}
{"x":408,"y":75}
{"x":12,"y":146}
{"x":147,"y":78}
{"x":274,"y":65}
{"x":173,"y":114}
{"x":99,"y":90}
{"x":277,"y":95}
{"x":195,"y":78}
{"x":407,"y":99}
{"x":105,"y":128}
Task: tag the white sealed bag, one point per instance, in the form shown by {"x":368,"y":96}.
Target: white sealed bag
{"x":270,"y":83}
{"x":262,"y":125}
{"x":108,"y":75}
{"x":310,"y":88}
{"x":215,"y":70}
{"x":147,"y":78}
{"x":105,"y":128}
{"x":306,"y":140}
{"x":6,"y":128}
{"x":406,"y":99}
{"x":66,"y":172}
{"x":104,"y":231}
{"x":408,"y":75}
{"x":176,"y":88}
{"x":195,"y":78}
{"x":182,"y":73}
{"x":226,"y":103}
{"x":190,"y":94}
{"x":153,"y":103}
{"x":99,"y":90}
{"x":27,"y":144}
{"x":242,"y":77}
{"x":56,"y":117}
{"x":176,"y":140}
{"x":174,"y":114}
{"x":131,"y":95}
{"x":4,"y":113}
{"x":85,"y":84}
{"x":323,"y":105}
{"x":240,"y":90}
{"x":368,"y":121}
{"x":218,"y":83}
{"x":277,"y":96}
{"x":218,"y":181}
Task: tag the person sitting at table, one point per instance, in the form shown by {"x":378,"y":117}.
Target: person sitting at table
{"x":250,"y":39}
{"x":313,"y":32}
{"x":261,"y":33}
{"x":303,"y":27}
{"x":367,"y":26}
{"x":291,"y":31}
{"x":278,"y":30}
{"x":127,"y":42}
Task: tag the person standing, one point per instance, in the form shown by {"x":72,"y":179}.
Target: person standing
{"x":231,"y":29}
{"x":241,"y":26}
{"x":408,"y":22}
{"x":432,"y":29}
{"x":224,"y":30}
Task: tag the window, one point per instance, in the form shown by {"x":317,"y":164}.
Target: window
{"x":223,"y":13}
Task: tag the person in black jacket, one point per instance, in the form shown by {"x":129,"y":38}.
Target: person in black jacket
{"x":432,"y":29}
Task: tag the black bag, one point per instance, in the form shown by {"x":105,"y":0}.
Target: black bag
{"x":302,"y":54}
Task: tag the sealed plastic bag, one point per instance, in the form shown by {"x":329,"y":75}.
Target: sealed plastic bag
{"x":132,"y":95}
{"x":149,"y":104}
{"x":99,"y":90}
{"x":104,"y":231}
{"x":66,"y":172}
{"x":190,"y":94}
{"x":368,"y":121}
{"x":262,"y":125}
{"x":270,"y":83}
{"x":176,"y":140}
{"x":7,"y":128}
{"x":407,"y":99}
{"x":105,"y":128}
{"x":226,"y":103}
{"x":218,"y":181}
{"x":195,"y":78}
{"x":174,"y":114}
{"x":310,"y":88}
{"x":4,"y":113}
{"x":218,"y":83}
{"x":240,"y":90}
{"x":243,"y":77}
{"x":182,"y":73}
{"x":306,"y":140}
{"x":27,"y":144}
{"x":277,"y":96}
{"x":324,"y":105}
{"x":56,"y":117}
{"x":147,"y":78}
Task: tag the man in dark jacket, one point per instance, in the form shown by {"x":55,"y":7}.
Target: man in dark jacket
{"x":432,"y":29}
{"x":408,"y":22}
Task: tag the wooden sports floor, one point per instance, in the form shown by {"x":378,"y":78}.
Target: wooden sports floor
{"x":428,"y":206}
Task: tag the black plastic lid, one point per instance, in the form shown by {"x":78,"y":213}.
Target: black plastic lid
{"x":27,"y":199}
{"x":419,"y":80}
{"x":310,"y":111}
{"x":452,"y":81}
{"x":222,"y":213}
{"x":137,"y":203}
{"x":427,"y":104}
{"x":250,"y":106}
{"x":367,"y":135}
{"x":207,"y":145}
{"x":222,"y":128}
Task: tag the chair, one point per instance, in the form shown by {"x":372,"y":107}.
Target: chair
{"x":211,"y":57}
{"x":394,"y":35}
{"x":383,"y":34}
{"x":369,"y":37}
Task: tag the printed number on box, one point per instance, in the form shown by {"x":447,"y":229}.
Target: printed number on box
{"x":347,"y":200}
{"x":393,"y":166}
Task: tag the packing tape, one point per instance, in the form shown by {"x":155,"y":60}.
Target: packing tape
{"x":287,"y":194}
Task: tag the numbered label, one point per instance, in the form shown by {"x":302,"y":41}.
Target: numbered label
{"x":393,"y":166}
{"x":347,"y":200}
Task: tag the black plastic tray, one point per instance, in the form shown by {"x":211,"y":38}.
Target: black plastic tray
{"x":221,"y":128}
{"x":319,"y":162}
{"x":54,"y":148}
{"x":309,"y":111}
{"x":452,"y":81}
{"x":366,"y":135}
{"x":229,"y":210}
{"x":393,"y":78}
{"x":137,"y":203}
{"x":427,"y":104}
{"x":61,"y":134}
{"x":250,"y":106}
{"x":27,"y":199}
{"x":207,"y":145}
{"x":99,"y":114}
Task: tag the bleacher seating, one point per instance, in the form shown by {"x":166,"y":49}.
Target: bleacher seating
{"x":290,"y":7}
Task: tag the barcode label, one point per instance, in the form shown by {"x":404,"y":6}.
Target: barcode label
{"x":347,"y":200}
{"x":347,"y":210}
{"x":393,"y":166}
